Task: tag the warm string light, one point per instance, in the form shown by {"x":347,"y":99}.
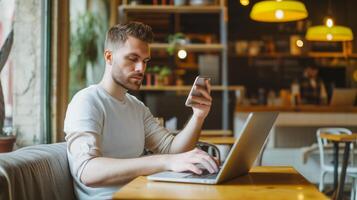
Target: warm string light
{"x":182,"y":54}
{"x":299,"y":43}
{"x":329,"y":36}
{"x":329,"y":22}
{"x":279,"y":14}
{"x":244,"y":2}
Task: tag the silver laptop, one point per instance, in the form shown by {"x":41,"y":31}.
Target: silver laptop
{"x":343,"y":97}
{"x":241,"y":157}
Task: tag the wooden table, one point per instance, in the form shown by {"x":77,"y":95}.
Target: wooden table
{"x":336,"y":139}
{"x":268,"y":183}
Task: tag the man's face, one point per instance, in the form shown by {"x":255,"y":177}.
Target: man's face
{"x":312,"y":72}
{"x":129,"y":63}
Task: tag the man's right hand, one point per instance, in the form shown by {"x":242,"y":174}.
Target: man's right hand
{"x":188,"y":161}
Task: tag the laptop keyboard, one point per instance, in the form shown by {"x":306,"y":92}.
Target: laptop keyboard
{"x":205,"y":174}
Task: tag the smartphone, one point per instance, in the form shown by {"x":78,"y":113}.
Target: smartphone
{"x":200,"y":81}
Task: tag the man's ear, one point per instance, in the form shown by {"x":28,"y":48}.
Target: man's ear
{"x":108,"y":57}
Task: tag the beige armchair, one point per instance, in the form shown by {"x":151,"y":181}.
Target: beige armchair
{"x":35,"y":173}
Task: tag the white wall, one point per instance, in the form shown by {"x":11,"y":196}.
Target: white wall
{"x":26,"y":56}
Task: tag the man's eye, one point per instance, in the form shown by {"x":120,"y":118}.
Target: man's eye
{"x":133,"y":59}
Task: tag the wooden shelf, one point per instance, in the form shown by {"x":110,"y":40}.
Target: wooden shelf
{"x":216,"y":133}
{"x":331,"y":55}
{"x":188,"y":88}
{"x":170,"y":9}
{"x":218,"y":11}
{"x":288,"y":55}
{"x":218,"y":140}
{"x":189,"y":47}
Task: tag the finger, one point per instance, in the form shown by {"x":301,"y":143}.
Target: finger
{"x":200,"y":106}
{"x":208,"y":85}
{"x":193,"y":168}
{"x":200,"y":100}
{"x":201,"y":152}
{"x":217,"y":161}
{"x":211,"y":160}
{"x":203,"y":90}
{"x":207,"y":165}
{"x":204,"y":163}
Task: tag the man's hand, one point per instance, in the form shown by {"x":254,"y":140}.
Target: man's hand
{"x":188,"y":137}
{"x":188,"y":161}
{"x":202,"y":105}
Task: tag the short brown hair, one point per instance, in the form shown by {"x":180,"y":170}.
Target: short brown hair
{"x":119,"y":33}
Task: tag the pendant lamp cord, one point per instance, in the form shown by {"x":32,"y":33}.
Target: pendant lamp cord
{"x":329,"y":8}
{"x":346,"y":15}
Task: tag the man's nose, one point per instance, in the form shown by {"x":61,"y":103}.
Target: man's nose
{"x":140,"y":67}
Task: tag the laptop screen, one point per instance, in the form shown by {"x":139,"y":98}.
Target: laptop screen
{"x":343,"y":97}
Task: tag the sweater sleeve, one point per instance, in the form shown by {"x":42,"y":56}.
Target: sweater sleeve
{"x":157,"y":138}
{"x":83,"y":127}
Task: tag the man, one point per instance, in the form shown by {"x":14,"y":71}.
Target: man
{"x":107,"y":129}
{"x":312,"y":88}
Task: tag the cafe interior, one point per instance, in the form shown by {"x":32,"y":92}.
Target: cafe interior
{"x":296,"y":58}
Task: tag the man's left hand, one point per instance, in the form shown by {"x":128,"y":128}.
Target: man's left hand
{"x":202,"y":105}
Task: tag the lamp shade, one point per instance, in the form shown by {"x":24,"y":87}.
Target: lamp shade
{"x":324,"y":33}
{"x":278,"y":11}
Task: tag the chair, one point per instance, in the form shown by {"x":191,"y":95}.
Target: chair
{"x":36,"y":172}
{"x":323,"y":144}
{"x":354,"y":186}
{"x":210,"y":149}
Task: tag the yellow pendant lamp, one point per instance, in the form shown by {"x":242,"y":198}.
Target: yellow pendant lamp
{"x":333,"y":34}
{"x":278,"y":11}
{"x":329,"y":32}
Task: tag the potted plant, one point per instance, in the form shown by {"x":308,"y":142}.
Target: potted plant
{"x":86,"y":46}
{"x":7,"y":140}
{"x":179,"y":73}
{"x":148,"y":76}
{"x":175,"y":40}
{"x":156,"y":71}
{"x":165,"y":75}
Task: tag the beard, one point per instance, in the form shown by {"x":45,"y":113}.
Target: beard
{"x":127,"y":84}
